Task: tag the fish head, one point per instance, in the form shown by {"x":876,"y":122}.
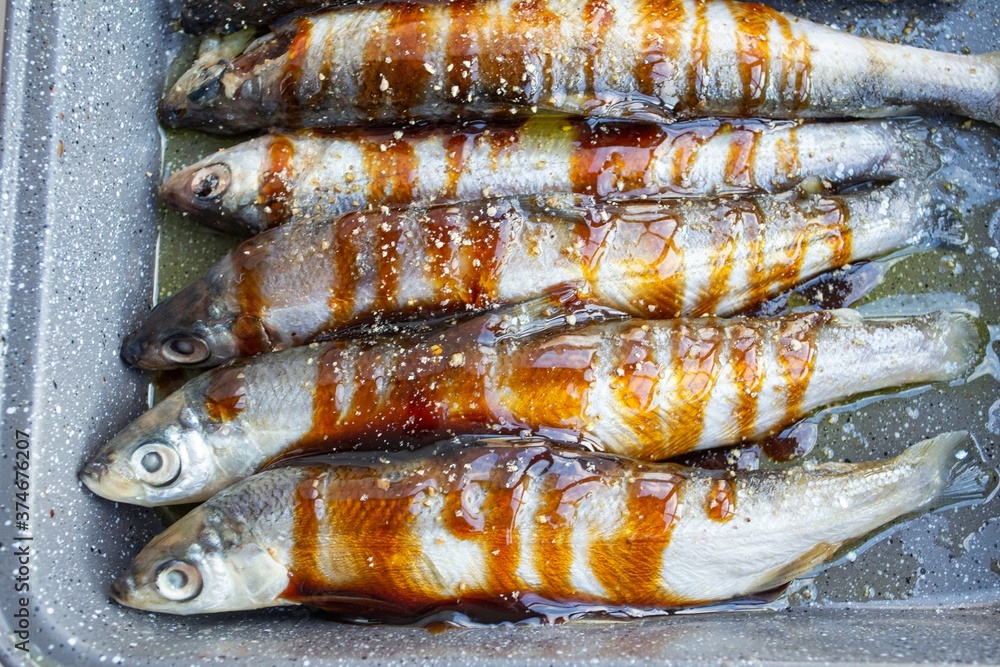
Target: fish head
{"x":195,"y":327}
{"x":210,"y":95}
{"x":209,"y":561}
{"x":174,"y":453}
{"x":223,"y":190}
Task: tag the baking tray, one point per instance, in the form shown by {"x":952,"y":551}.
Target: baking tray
{"x":80,"y":156}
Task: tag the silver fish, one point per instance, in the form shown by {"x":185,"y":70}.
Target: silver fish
{"x":662,"y":60}
{"x":648,"y":389}
{"x":526,"y":529}
{"x":279,"y":178}
{"x":297,"y":283}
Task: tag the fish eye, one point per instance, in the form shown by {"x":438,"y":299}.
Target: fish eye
{"x":156,"y":463}
{"x":178,"y":581}
{"x":211,"y":182}
{"x":185,"y":350}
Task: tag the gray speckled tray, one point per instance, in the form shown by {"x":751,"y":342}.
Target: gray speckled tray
{"x":80,"y":155}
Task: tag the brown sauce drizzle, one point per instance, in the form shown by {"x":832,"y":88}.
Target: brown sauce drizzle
{"x":306,"y":553}
{"x":796,"y":67}
{"x":789,"y":165}
{"x":772,"y":273}
{"x":824,"y":221}
{"x":661,"y":24}
{"x":615,"y":159}
{"x":393,"y":171}
{"x":248,"y":260}
{"x":596,"y":235}
{"x":389,"y":251}
{"x":442,"y":248}
{"x":698,"y":66}
{"x":457,"y":148}
{"x":739,"y":172}
{"x":345,"y":274}
{"x":464,"y":48}
{"x":330,"y":392}
{"x":371,"y":541}
{"x":685,"y":147}
{"x":501,"y":140}
{"x":630,"y":564}
{"x":355,"y":547}
{"x":753,"y":22}
{"x":721,"y":502}
{"x":745,"y":347}
{"x":559,"y":369}
{"x":516,"y":45}
{"x":835,"y":219}
{"x":225,"y":396}
{"x":728,"y":217}
{"x":488,"y":241}
{"x":393,"y":76}
{"x":695,"y":357}
{"x":658,"y":265}
{"x":634,"y":381}
{"x":295,"y":61}
{"x":796,"y":348}
{"x":563,"y":490}
{"x":499,"y":476}
{"x":276,"y":179}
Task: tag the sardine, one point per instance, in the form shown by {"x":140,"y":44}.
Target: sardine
{"x":662,"y":60}
{"x":320,"y":175}
{"x":294,"y":284}
{"x":648,"y":389}
{"x":519,"y":529}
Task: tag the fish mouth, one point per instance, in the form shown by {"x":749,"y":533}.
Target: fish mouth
{"x":121,"y":590}
{"x":91,"y":475}
{"x":132,"y":351}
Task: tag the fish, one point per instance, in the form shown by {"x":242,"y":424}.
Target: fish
{"x":199,"y":17}
{"x":554,"y":367}
{"x":659,"y":60}
{"x":515,"y":529}
{"x":303,"y":282}
{"x":323,"y":174}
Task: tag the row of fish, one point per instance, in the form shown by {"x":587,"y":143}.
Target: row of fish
{"x":544,"y":307}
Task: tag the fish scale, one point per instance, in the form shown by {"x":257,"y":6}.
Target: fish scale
{"x":320,"y":174}
{"x":648,"y":59}
{"x":298,"y":283}
{"x":513,"y":528}
{"x":650,"y":389}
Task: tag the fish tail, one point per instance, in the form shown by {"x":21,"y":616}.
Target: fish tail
{"x":956,"y":463}
{"x":993,"y":114}
{"x":936,"y":224}
{"x":920,"y":157}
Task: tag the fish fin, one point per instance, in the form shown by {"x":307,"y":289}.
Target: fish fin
{"x":965,"y":476}
{"x":562,"y":307}
{"x":920,"y":157}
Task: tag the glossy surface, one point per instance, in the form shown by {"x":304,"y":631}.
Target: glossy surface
{"x":291,"y":285}
{"x":506,"y":529}
{"x":649,"y":389}
{"x":661,"y":59}
{"x":313,"y":175}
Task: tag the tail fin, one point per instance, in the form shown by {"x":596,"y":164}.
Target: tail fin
{"x":993,"y":113}
{"x":919,"y":157}
{"x":964,"y":476}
